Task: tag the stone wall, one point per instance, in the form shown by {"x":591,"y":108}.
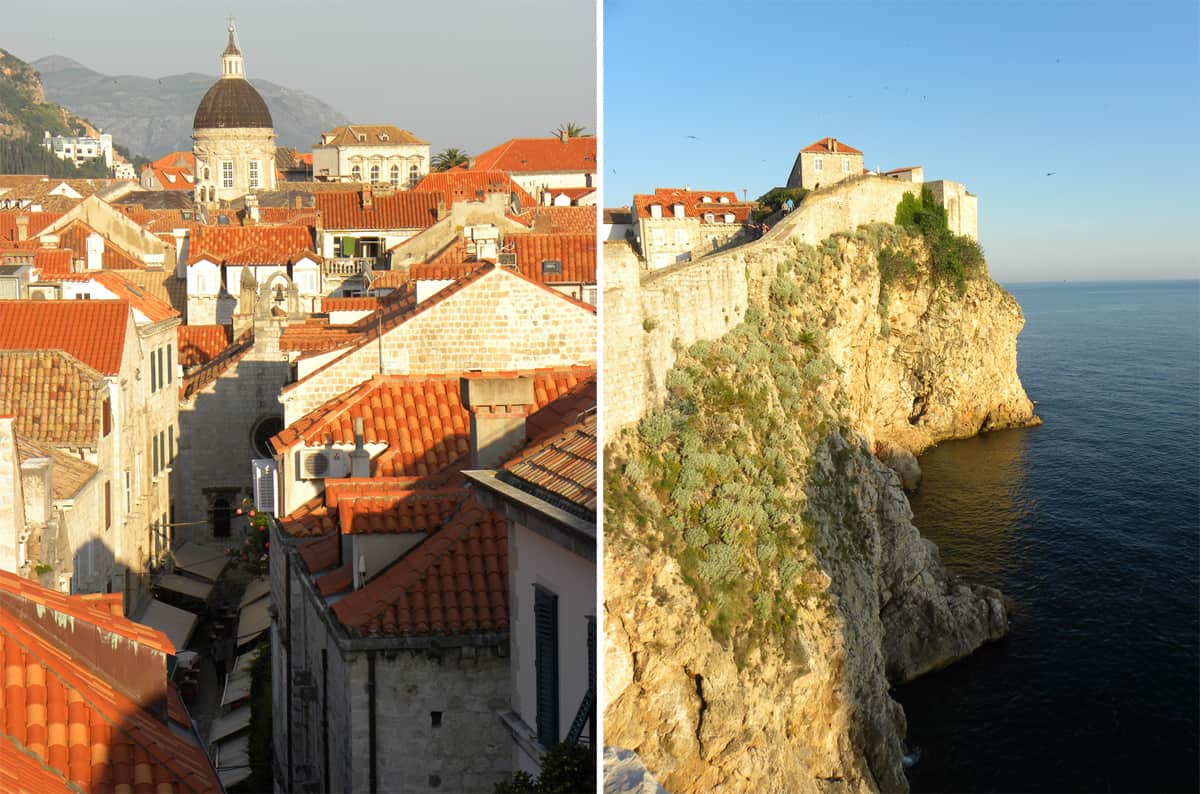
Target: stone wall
{"x":962,"y":208}
{"x":499,"y":322}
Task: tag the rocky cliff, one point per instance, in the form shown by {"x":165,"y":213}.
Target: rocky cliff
{"x":764,"y":583}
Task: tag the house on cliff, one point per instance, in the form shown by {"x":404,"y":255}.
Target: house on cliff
{"x":675,"y":225}
{"x":824,"y":163}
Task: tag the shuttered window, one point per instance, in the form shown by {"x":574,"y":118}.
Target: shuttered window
{"x":107,"y":504}
{"x":153,"y":371}
{"x":545,"y":619}
{"x":170,"y":365}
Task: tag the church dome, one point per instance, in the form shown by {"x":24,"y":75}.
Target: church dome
{"x":232,"y":102}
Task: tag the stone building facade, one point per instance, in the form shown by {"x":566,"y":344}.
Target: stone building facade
{"x":825,"y":163}
{"x":233,"y":135}
{"x":375,"y":153}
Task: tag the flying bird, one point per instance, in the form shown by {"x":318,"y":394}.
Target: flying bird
{"x":693,"y":137}
{"x":1051,"y":173}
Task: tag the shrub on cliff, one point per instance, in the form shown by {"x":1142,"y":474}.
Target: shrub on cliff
{"x":953,"y":258}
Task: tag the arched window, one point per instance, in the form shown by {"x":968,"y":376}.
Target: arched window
{"x":207,"y":174}
{"x":374,"y":173}
{"x":356,"y":173}
{"x":395,"y":175}
{"x":414,"y":175}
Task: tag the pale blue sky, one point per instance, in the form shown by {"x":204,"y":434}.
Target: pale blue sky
{"x":464,"y":73}
{"x":994,"y":95}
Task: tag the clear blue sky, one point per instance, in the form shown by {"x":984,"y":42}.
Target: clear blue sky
{"x":990,"y":94}
{"x":462,"y":73}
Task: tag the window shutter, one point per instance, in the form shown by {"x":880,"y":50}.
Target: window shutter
{"x":545,"y":617}
{"x":153,"y":371}
{"x":170,"y":444}
{"x":157,"y":455}
{"x":264,"y":484}
{"x":170,"y":364}
{"x":107,"y":504}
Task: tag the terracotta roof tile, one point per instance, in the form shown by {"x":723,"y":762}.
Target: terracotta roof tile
{"x":540,"y":155}
{"x":209,"y":371}
{"x":37,"y":222}
{"x":365,"y":303}
{"x":420,"y":418}
{"x":92,"y":331}
{"x":398,"y":210}
{"x":573,"y":193}
{"x":180,"y":159}
{"x":252,"y":245}
{"x":75,"y":237}
{"x":55,"y":398}
{"x":559,"y":220}
{"x":472,"y":185}
{"x":316,"y":335}
{"x":823,"y":147}
{"x":171,"y":178}
{"x":200,"y":344}
{"x":73,"y":717}
{"x":122,"y":288}
{"x":374,"y":134}
{"x":160,"y":284}
{"x":576,"y":252}
{"x":564,"y":466}
{"x":375,"y":506}
{"x":694,"y":205}
{"x":53,"y":261}
{"x":69,"y":472}
{"x":454,"y":581}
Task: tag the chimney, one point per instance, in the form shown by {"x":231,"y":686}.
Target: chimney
{"x":563,"y":136}
{"x":252,"y":216}
{"x":22,"y":228}
{"x":95,"y":251}
{"x":833,"y":145}
{"x":470,"y":163}
{"x":49,"y":241}
{"x":298,"y":202}
{"x":360,"y":459}
{"x":498,"y":409}
{"x":441,"y":208}
{"x":368,"y":198}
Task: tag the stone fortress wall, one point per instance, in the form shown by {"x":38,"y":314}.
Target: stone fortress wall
{"x":648,"y":317}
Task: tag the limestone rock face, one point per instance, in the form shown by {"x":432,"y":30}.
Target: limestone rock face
{"x":809,"y":710}
{"x":923,"y":364}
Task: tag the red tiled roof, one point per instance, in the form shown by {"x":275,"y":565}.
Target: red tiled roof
{"x":72,"y":716}
{"x":158,"y":221}
{"x":53,"y":261}
{"x":466,"y":185}
{"x":54,"y":397}
{"x":442,"y":270}
{"x":37,"y":222}
{"x":454,"y":581}
{"x":390,"y":279}
{"x":573,"y":193}
{"x":374,"y":134}
{"x":565,"y":466}
{"x":823,"y":147}
{"x":316,"y":335}
{"x":200,"y":344}
{"x":172,"y":178}
{"x":252,"y":245}
{"x":421,"y":418}
{"x":209,"y":371}
{"x":153,"y":309}
{"x":373,"y":506}
{"x":366,"y":303}
{"x":293,"y":216}
{"x":399,"y":210}
{"x":693,"y":203}
{"x":75,"y":236}
{"x":559,"y":220}
{"x":180,"y":159}
{"x":577,"y":252}
{"x":540,"y":155}
{"x":92,"y":331}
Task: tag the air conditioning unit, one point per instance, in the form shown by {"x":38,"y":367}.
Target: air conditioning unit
{"x":321,"y":464}
{"x":508,"y":260}
{"x":44,"y":292}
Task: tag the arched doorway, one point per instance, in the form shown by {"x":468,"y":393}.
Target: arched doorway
{"x":222,"y":514}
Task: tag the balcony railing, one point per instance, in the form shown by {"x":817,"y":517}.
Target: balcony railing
{"x":347,"y":266}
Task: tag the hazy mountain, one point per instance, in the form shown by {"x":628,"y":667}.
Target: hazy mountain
{"x":153,"y":116}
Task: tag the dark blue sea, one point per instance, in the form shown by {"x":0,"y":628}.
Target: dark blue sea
{"x":1091,"y":525}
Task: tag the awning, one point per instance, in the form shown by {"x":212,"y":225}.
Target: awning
{"x":237,"y":682}
{"x":254,"y":620}
{"x":233,"y":760}
{"x":233,"y":722}
{"x":176,"y":623}
{"x":203,"y":562}
{"x":184,"y":585}
{"x":258,"y":588}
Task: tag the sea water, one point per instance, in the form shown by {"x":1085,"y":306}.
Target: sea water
{"x":1090,"y":524}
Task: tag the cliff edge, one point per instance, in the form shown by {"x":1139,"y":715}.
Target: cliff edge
{"x":764,"y":583}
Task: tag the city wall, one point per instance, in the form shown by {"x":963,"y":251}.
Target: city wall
{"x":648,"y":317}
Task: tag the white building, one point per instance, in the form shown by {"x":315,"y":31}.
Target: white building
{"x":376,"y":153}
{"x":80,"y":149}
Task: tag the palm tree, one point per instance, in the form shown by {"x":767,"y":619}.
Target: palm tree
{"x":448,"y":158}
{"x":571,"y":129}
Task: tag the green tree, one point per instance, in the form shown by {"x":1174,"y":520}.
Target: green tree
{"x":448,"y":158}
{"x":572,"y":130}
